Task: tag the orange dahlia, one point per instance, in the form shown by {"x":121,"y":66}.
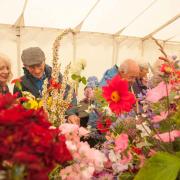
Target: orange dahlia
{"x":117,"y":95}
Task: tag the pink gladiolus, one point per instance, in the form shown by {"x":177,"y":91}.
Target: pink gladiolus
{"x":157,"y":93}
{"x":165,"y":136}
{"x":121,"y":143}
{"x":163,"y":115}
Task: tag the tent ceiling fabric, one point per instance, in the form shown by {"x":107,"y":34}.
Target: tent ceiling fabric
{"x":10,"y":10}
{"x":160,"y":12}
{"x":56,"y":13}
{"x":172,"y":30}
{"x":110,"y":16}
{"x":130,"y":18}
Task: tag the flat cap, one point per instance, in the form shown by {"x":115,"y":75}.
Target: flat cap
{"x":32,"y":56}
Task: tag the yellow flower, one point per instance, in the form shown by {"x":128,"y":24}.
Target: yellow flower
{"x":40,"y":104}
{"x":33,"y":104}
{"x":49,"y":101}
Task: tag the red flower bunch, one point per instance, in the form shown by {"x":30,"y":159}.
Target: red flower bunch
{"x":166,"y":68}
{"x":54,"y":84}
{"x":27,"y":139}
{"x":136,"y":150}
{"x":117,"y":95}
{"x":104,"y":125}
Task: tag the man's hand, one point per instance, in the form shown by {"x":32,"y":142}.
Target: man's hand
{"x":74,"y":119}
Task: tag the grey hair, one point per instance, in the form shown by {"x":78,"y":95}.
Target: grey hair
{"x":143,"y":65}
{"x":124,"y":68}
{"x":6,"y":59}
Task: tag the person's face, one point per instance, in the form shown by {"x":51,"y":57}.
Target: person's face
{"x":88,"y":92}
{"x":130,"y":76}
{"x":4,"y":72}
{"x":143,"y":72}
{"x":36,"y":70}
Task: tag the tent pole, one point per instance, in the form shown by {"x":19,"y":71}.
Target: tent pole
{"x":142,"y":49}
{"x":18,"y":42}
{"x":76,"y":84}
{"x":74,"y":48}
{"x":114,"y":52}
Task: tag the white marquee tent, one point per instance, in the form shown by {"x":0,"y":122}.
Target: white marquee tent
{"x":110,"y":30}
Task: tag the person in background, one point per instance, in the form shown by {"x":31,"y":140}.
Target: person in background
{"x":92,"y":82}
{"x":140,"y":84}
{"x":128,"y":70}
{"x":5,"y":73}
{"x":35,"y":72}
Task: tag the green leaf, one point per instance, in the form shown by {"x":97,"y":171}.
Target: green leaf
{"x":126,"y":176}
{"x":26,"y":105}
{"x":18,"y":85}
{"x":178,"y":154}
{"x":172,"y":95}
{"x":74,"y":76}
{"x":83,"y":79}
{"x":54,"y":174}
{"x":162,"y":166}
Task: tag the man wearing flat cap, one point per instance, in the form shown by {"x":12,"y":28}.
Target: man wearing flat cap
{"x":35,"y":72}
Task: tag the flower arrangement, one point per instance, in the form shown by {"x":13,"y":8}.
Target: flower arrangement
{"x":136,"y":142}
{"x":29,"y":149}
{"x":86,"y":161}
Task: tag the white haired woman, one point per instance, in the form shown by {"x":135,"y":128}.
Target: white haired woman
{"x":5,"y":73}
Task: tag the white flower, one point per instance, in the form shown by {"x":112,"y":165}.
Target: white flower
{"x":75,"y":69}
{"x":107,"y":110}
{"x":78,"y":66}
{"x":144,"y":129}
{"x":114,"y":157}
{"x":82,"y":63}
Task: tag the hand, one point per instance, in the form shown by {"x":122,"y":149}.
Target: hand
{"x":74,"y":119}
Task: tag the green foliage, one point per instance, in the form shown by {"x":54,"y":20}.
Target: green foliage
{"x":126,"y":176}
{"x":100,"y":101}
{"x":79,"y":79}
{"x":173,"y":120}
{"x":162,"y":166}
{"x":16,"y":172}
{"x":172,"y":95}
{"x":159,"y":106}
{"x":176,"y":116}
{"x":178,"y":154}
{"x":18,"y":85}
{"x":55,"y":173}
{"x":83,"y":80}
{"x":76,"y":77}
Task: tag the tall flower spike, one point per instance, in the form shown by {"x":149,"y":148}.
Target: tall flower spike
{"x":54,"y":100}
